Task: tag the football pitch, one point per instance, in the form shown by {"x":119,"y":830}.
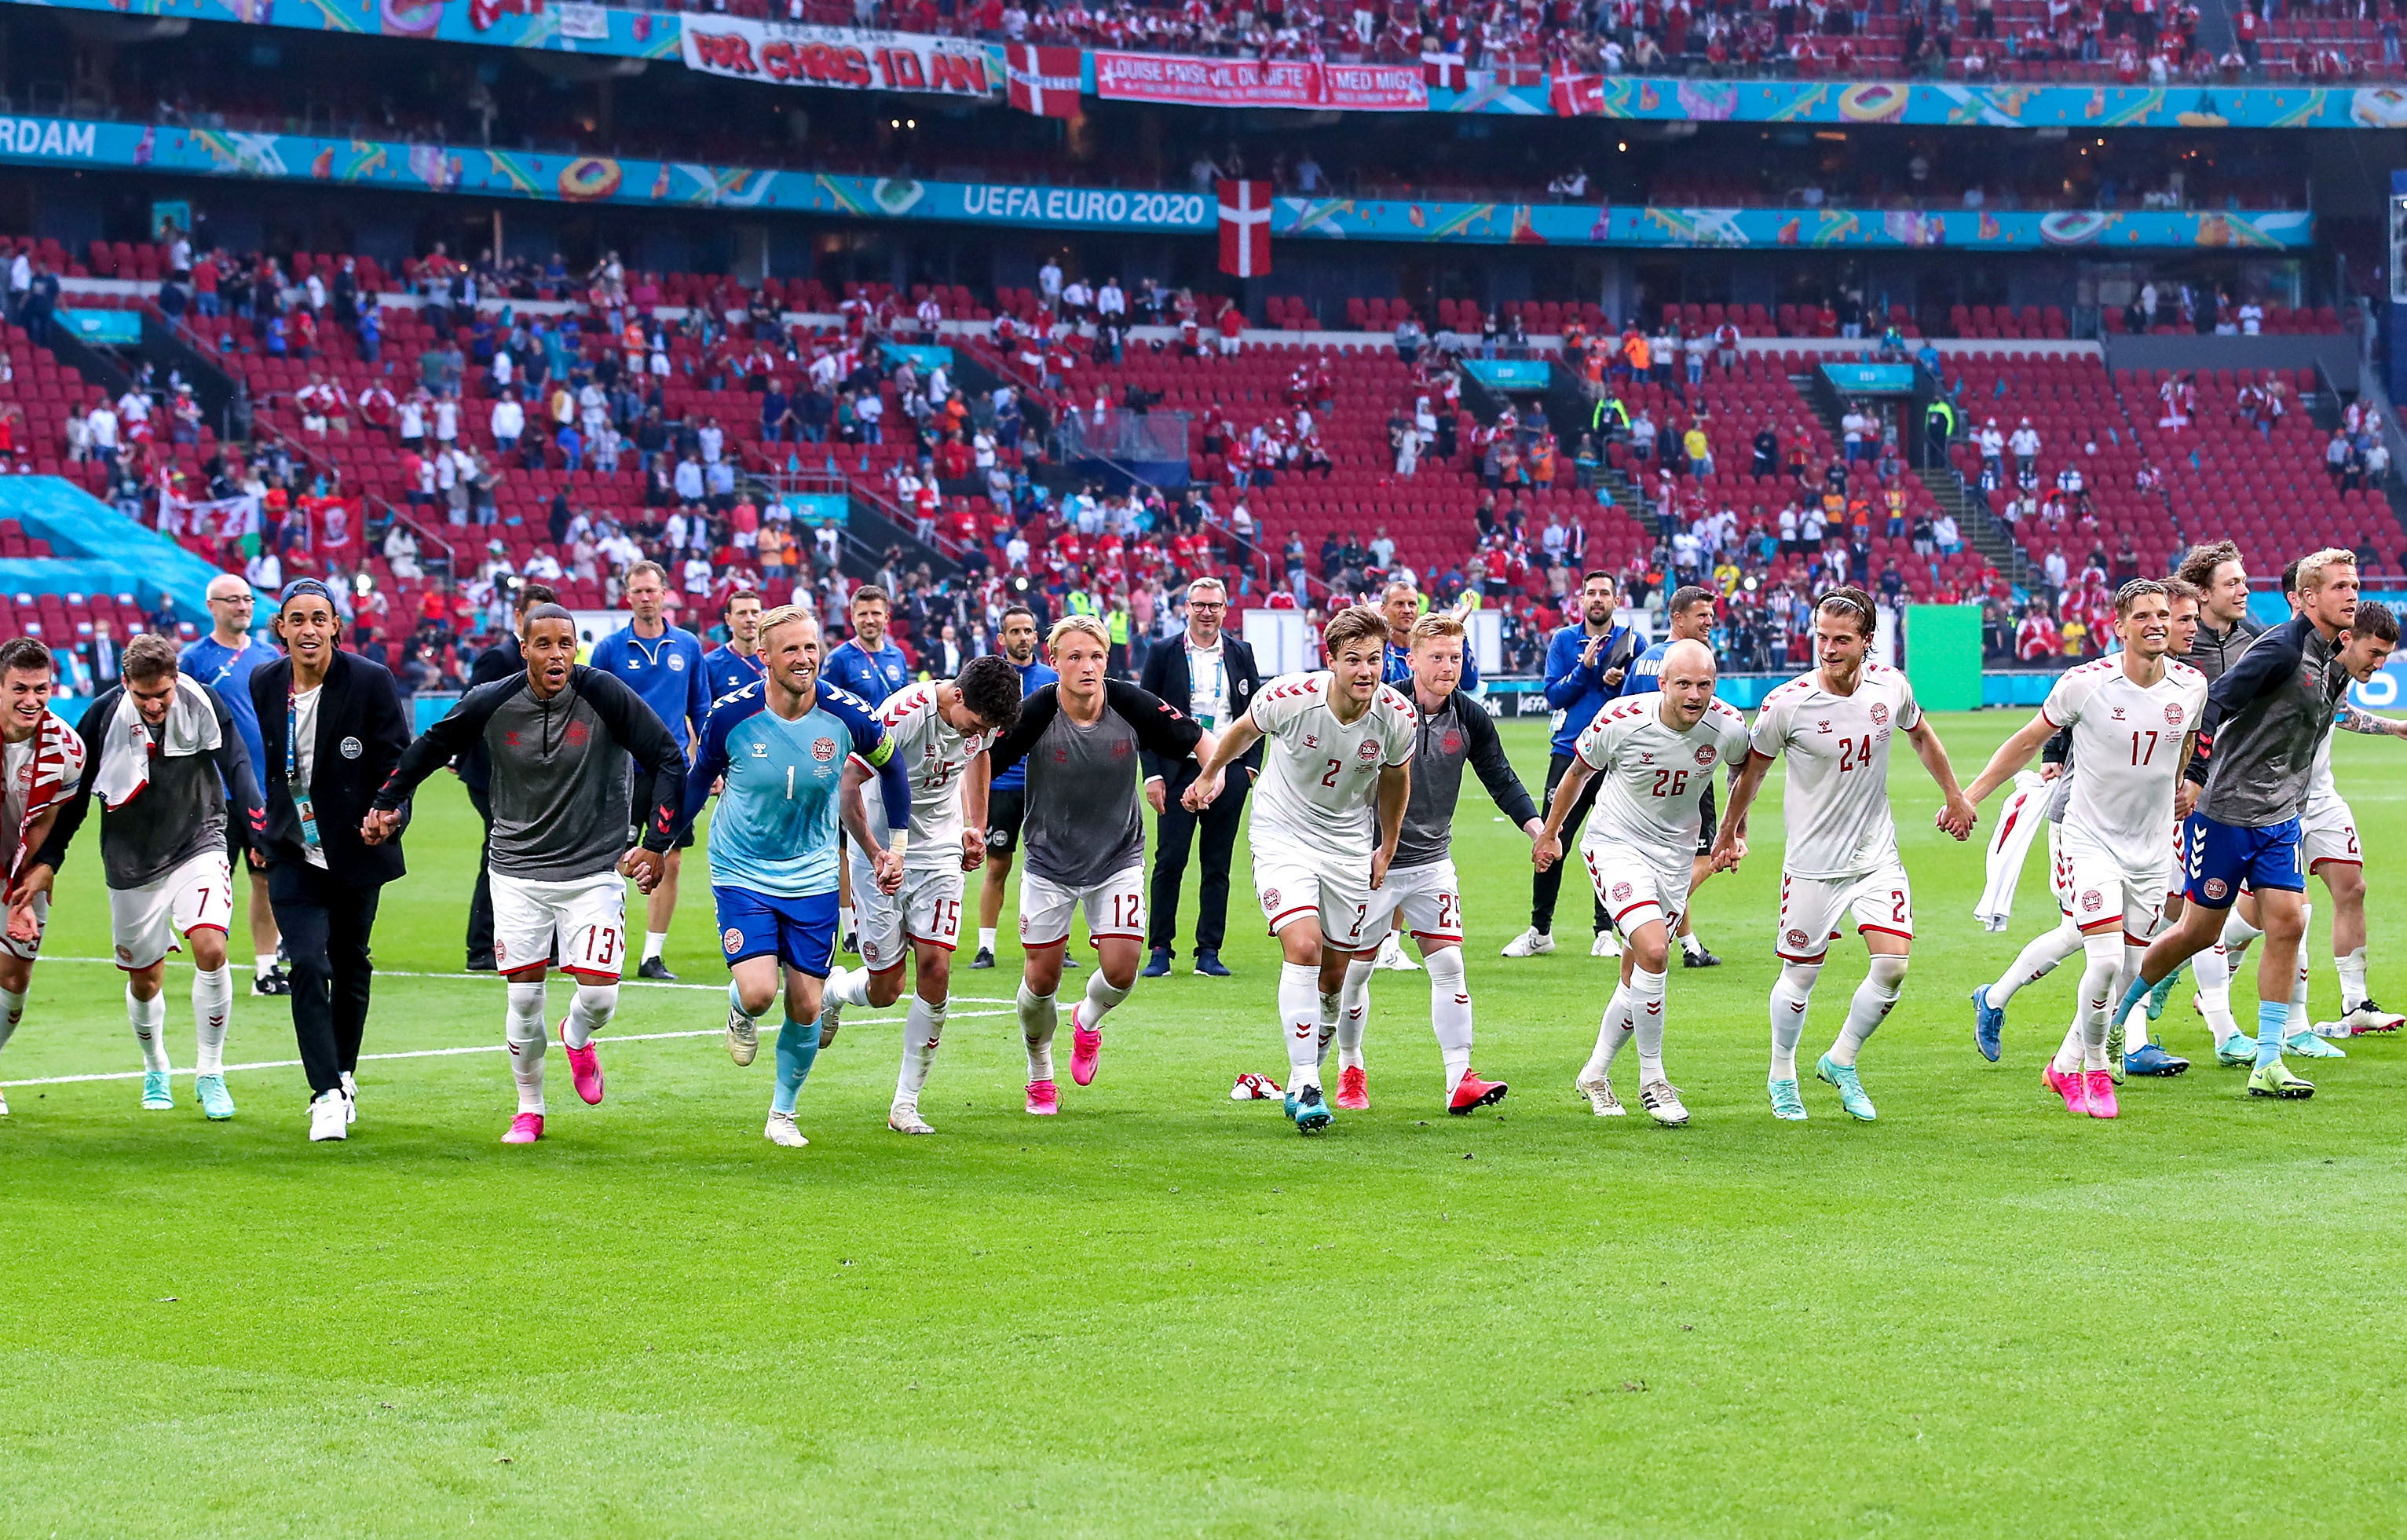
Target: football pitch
{"x":1163,"y":1312}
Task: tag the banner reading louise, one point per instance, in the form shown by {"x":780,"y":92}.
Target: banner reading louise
{"x":1181,"y":80}
{"x":846,"y":58}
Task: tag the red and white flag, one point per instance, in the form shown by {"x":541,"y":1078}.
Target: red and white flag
{"x":1576,"y":95}
{"x":1442,"y":71}
{"x":1245,"y":229}
{"x":1044,"y":80}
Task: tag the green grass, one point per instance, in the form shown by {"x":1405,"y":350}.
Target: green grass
{"x":1163,"y":1312}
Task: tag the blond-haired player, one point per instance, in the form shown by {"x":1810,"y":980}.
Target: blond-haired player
{"x":1422,"y":893}
{"x":1083,"y":835}
{"x":1658,"y":753}
{"x":1327,"y":817}
{"x":1835,"y":726}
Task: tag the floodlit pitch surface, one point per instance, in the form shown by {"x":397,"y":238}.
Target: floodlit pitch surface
{"x":1163,"y":1312}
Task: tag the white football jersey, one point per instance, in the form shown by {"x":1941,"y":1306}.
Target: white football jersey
{"x":2126,"y":754}
{"x":1836,"y":805}
{"x":1319,"y":795}
{"x":1654,"y":778}
{"x":934,"y":756}
{"x":2321,"y":788}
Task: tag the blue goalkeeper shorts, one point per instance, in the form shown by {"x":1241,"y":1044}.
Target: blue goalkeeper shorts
{"x":2221,"y":859}
{"x":799,"y":932}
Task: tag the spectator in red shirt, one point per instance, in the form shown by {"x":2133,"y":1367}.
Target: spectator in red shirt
{"x":2037,"y":637}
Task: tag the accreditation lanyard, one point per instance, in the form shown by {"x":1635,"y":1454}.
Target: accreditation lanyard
{"x":1219,"y":682}
{"x":302,"y":802}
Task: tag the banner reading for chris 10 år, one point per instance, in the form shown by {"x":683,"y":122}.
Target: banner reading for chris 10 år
{"x":842,"y":58}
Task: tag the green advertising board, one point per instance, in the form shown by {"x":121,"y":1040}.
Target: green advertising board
{"x":1943,"y":656}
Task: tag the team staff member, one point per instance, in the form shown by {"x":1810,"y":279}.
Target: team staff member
{"x":1213,"y":675}
{"x":663,"y":665}
{"x":223,"y":659}
{"x":869,"y":665}
{"x":334,"y":727}
{"x":501,"y":661}
{"x":1403,"y":607}
{"x":732,"y":666}
{"x":1006,"y":797}
{"x":1586,"y":663}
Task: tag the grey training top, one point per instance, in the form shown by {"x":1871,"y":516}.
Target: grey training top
{"x":1444,"y":740}
{"x":2265,"y":718}
{"x":564,"y":772}
{"x":2211,"y":651}
{"x":1081,"y":822}
{"x":182,"y":813}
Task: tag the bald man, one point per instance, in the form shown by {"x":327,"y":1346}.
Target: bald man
{"x":224,"y":659}
{"x":1656,"y":754}
{"x":1691,"y":615}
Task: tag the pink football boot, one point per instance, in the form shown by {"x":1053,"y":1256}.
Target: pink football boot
{"x":1084,"y":1048}
{"x":584,"y":1068}
{"x":525,"y":1129}
{"x":2076,"y":1100}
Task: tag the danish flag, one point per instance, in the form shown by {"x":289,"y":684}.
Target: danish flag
{"x":1044,"y":80}
{"x":1245,"y":229}
{"x":1444,"y":71}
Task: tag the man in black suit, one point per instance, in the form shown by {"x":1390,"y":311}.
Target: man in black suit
{"x":501,"y":661}
{"x":105,"y":655}
{"x":1212,"y":674}
{"x":334,"y":727}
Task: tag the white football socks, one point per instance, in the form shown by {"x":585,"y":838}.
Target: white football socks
{"x":523,"y":1030}
{"x":150,"y":1019}
{"x":1038,"y":1020}
{"x":848,"y":988}
{"x":1332,"y":1004}
{"x":655,"y":942}
{"x":1299,"y":1001}
{"x":1353,"y":1010}
{"x":922,"y":1029}
{"x":212,"y":1008}
{"x":2038,"y":958}
{"x":1875,"y":998}
{"x":1102,"y":996}
{"x":1611,"y":1034}
{"x":263,"y":963}
{"x":2085,"y":1047}
{"x":1691,"y":945}
{"x":2351,"y":966}
{"x":1790,"y":995}
{"x":1449,"y":1011}
{"x":2214,"y":969}
{"x":589,"y":1013}
{"x":1647,"y":1020}
{"x":985,"y":938}
{"x":12,"y":1011}
{"x":2301,"y":1020}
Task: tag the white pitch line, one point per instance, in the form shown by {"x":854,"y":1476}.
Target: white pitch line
{"x":415,"y":1053}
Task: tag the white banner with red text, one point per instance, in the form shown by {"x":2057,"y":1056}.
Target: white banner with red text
{"x":1182,"y":81}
